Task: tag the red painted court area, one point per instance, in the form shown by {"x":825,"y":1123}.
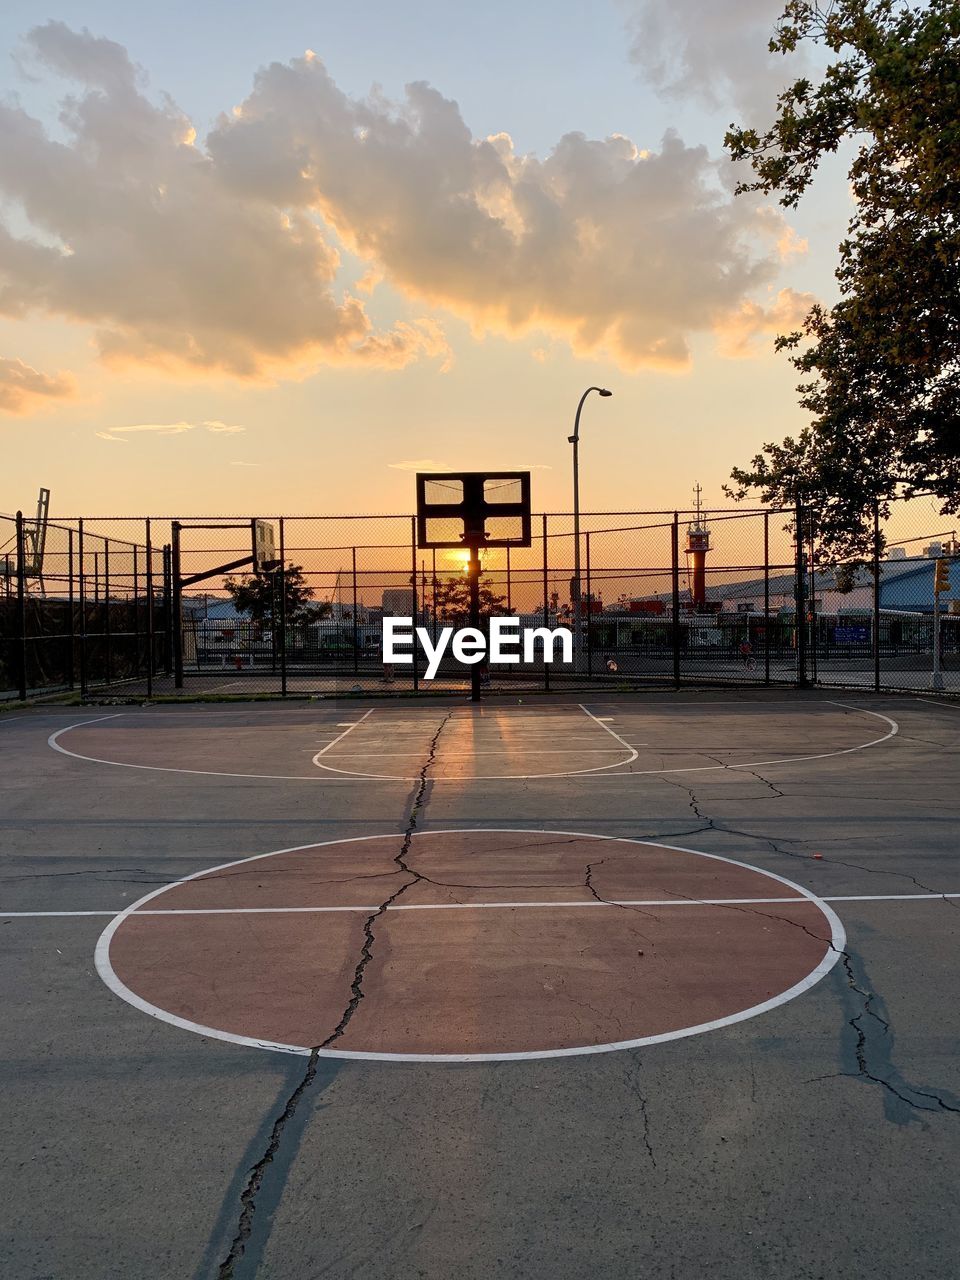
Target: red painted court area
{"x":492,"y":943}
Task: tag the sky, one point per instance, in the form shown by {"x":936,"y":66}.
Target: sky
{"x":276,"y":258}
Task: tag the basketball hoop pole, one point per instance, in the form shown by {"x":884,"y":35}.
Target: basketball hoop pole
{"x":471,"y":499}
{"x":473,"y":573}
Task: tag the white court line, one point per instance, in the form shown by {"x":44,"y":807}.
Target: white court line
{"x":349,"y":729}
{"x":48,"y":713}
{"x":826,"y":755}
{"x":49,"y":915}
{"x":834,"y":949}
{"x":938,"y":702}
{"x":52,"y":740}
{"x":487,"y":906}
{"x":601,"y":772}
{"x":487,"y":718}
{"x":469,"y":755}
{"x":527,"y":741}
{"x":639,"y":773}
{"x":165,"y":768}
{"x":494,"y":777}
{"x":612,"y":732}
{"x":647,"y":709}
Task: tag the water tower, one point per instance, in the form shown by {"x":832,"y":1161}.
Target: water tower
{"x":698,"y":544}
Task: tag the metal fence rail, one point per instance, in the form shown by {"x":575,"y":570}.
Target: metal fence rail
{"x":149,"y":606}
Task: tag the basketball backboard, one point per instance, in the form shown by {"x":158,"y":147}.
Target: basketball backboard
{"x":265,"y":557}
{"x":473,"y":508}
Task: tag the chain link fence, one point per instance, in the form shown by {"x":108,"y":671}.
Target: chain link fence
{"x":157,"y":606}
{"x":81,"y":608}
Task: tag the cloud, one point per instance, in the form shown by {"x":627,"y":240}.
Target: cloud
{"x":431,"y":464}
{"x":222,"y":428}
{"x":23,"y":388}
{"x":224,"y":256}
{"x":136,"y":232}
{"x":92,"y":60}
{"x":739,"y":334}
{"x":713,"y":52}
{"x":618,"y":250}
{"x":244,"y":464}
{"x":167,"y":429}
{"x":421,"y":464}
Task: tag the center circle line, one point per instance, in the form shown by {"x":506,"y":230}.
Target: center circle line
{"x":834,"y":949}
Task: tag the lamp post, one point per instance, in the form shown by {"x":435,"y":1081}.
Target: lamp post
{"x":575,"y":441}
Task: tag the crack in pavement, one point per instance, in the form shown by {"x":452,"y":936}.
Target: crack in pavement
{"x":601,"y":1015}
{"x":778,"y":794}
{"x":635,"y":1066}
{"x":860,"y":1051}
{"x":101,"y":871}
{"x":711,"y":825}
{"x":248,"y":1197}
{"x":621,"y":906}
{"x":861,"y":1047}
{"x":856,"y":1021}
{"x":867,"y":998}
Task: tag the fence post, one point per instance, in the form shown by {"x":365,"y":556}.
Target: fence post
{"x":766,"y":597}
{"x":509,"y":592}
{"x":149,"y":610}
{"x":675,"y":584}
{"x":283,"y":616}
{"x":176,"y":605}
{"x":433,"y":596}
{"x":413,"y":591}
{"x":800,"y":602}
{"x":356,"y":624}
{"x":136,"y":608}
{"x":70,"y":608}
{"x":546,"y":605}
{"x":168,"y":609}
{"x":21,"y":609}
{"x":83,"y":612}
{"x":589,"y":610}
{"x":876,"y":595}
{"x":107,"y":630}
{"x":812,"y":601}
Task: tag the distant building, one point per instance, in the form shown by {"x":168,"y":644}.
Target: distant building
{"x":398,"y":602}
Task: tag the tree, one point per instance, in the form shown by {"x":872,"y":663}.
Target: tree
{"x":258,"y":594}
{"x":881,"y":367}
{"x":451,"y":599}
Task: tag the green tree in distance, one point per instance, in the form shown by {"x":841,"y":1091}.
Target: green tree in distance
{"x":258,"y":594}
{"x":881,"y":367}
{"x":452,"y":599}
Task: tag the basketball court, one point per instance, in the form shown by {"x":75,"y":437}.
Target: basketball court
{"x":638,"y":985}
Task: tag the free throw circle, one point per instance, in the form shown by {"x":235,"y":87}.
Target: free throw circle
{"x":495,"y":944}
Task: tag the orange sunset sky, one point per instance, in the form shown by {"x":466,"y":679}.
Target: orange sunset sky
{"x":277,"y":258}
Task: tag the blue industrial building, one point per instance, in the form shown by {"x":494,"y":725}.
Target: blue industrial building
{"x":910,"y":588}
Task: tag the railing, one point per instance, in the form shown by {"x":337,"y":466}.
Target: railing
{"x":145,"y":606}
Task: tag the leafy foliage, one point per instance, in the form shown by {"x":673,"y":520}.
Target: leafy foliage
{"x":258,"y":595}
{"x":452,"y":599}
{"x":882,"y":366}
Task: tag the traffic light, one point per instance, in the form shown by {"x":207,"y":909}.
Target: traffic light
{"x":941,"y":576}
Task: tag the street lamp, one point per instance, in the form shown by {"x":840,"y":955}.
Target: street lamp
{"x":575,"y":441}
